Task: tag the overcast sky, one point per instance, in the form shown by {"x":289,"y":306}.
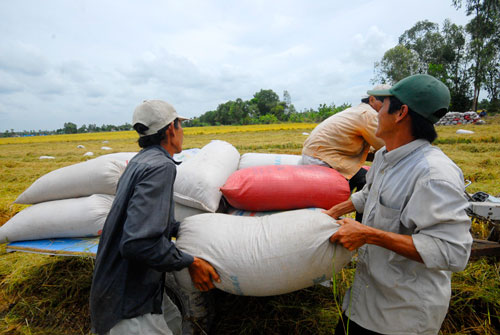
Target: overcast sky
{"x":95,"y":61}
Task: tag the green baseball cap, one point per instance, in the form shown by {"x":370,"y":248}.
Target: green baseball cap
{"x":424,"y":94}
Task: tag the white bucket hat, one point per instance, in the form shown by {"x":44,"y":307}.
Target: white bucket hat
{"x":378,"y":87}
{"x":155,"y":114}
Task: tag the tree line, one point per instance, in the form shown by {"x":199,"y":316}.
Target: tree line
{"x":265,"y":107}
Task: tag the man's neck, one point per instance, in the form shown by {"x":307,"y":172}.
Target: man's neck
{"x":398,"y":140}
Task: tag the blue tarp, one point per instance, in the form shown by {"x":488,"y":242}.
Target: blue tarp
{"x":84,"y":246}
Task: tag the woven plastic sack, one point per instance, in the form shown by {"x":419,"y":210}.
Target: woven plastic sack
{"x":95,"y":176}
{"x":182,"y":212}
{"x":263,"y":256}
{"x":284,"y":187}
{"x":258,"y":159}
{"x":198,"y":180}
{"x":78,"y":217}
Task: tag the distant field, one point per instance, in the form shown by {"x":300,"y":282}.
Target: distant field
{"x":49,"y":295}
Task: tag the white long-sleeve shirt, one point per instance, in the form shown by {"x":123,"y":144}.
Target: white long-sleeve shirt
{"x":413,"y":190}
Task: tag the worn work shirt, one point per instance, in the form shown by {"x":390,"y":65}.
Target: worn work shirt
{"x":343,"y":140}
{"x":135,"y":247}
{"x":413,"y":190}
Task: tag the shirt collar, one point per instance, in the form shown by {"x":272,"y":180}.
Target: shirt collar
{"x":165,"y":152}
{"x":394,"y":156}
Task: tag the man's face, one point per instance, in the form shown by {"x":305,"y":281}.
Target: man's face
{"x":376,"y":104}
{"x":178,"y":137}
{"x":385,"y":122}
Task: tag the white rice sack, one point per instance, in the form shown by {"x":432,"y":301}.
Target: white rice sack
{"x":78,"y":217}
{"x":259,"y":159}
{"x":464,"y":131}
{"x":263,"y":256}
{"x":95,"y":176}
{"x":242,"y":212}
{"x":184,"y":155}
{"x":182,"y":212}
{"x":120,"y":156}
{"x":199,"y":179}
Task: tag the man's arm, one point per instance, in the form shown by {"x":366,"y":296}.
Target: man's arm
{"x":353,"y":235}
{"x":144,"y":233}
{"x":340,"y":209}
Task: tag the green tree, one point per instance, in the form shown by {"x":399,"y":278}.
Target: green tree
{"x":265,"y":101}
{"x":484,"y":29}
{"x":425,"y":39}
{"x":70,"y":128}
{"x":397,"y":63}
{"x":82,"y":129}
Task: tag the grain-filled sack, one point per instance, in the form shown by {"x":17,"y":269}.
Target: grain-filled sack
{"x":182,"y":212}
{"x":284,"y":187}
{"x":96,"y":176}
{"x":121,"y":156}
{"x":258,"y":159}
{"x":185,"y":155}
{"x":241,"y":212}
{"x":199,"y":179}
{"x":77,"y":217}
{"x":263,"y":256}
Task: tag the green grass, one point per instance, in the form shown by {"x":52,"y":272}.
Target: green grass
{"x":49,"y":295}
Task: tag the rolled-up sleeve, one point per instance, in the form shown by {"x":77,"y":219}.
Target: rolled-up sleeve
{"x":442,"y":237}
{"x":146,"y":230}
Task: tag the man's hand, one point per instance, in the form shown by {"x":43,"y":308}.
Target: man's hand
{"x":351,"y":234}
{"x":340,"y":209}
{"x":202,"y":274}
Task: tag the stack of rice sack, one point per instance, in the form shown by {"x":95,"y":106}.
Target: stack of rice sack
{"x":280,"y":247}
{"x":271,"y":242}
{"x":74,"y":201}
{"x":453,"y":118}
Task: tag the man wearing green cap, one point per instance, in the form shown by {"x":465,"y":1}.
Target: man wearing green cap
{"x":415,"y":230}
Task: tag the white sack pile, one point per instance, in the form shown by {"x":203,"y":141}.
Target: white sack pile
{"x":74,"y":201}
{"x":453,"y":118}
{"x":198,"y":180}
{"x":260,"y":159}
{"x":77,"y":217}
{"x":262,"y":256}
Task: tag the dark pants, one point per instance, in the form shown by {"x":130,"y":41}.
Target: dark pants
{"x":354,"y":328}
{"x":357,"y":182}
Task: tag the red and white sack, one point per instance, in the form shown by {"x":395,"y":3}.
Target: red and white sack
{"x":263,"y":256}
{"x":284,"y":187}
{"x":96,"y":176}
{"x":78,"y":217}
{"x":258,"y":159}
{"x":199,"y":179}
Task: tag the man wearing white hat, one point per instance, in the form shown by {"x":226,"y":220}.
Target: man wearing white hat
{"x":135,"y":250}
{"x":344,"y":140}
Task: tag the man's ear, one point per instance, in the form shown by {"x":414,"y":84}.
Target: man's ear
{"x":170,"y":130}
{"x":402,"y":113}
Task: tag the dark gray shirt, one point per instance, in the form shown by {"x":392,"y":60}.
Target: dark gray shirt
{"x":135,"y":247}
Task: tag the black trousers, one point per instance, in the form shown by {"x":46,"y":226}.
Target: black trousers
{"x":354,"y":328}
{"x":357,"y":182}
